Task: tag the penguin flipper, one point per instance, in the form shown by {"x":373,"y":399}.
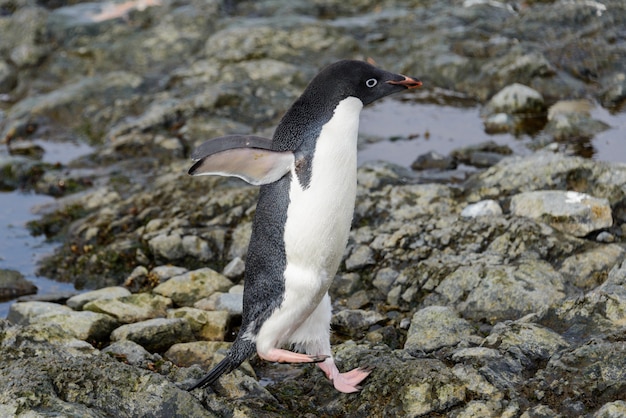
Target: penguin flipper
{"x":244,"y":156}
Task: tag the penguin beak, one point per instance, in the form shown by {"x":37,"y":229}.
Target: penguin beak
{"x":408,"y":82}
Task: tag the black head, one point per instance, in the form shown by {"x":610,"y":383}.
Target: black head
{"x":358,"y":79}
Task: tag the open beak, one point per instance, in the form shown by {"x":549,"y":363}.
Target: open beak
{"x":408,"y":82}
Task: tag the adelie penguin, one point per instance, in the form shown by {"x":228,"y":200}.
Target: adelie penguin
{"x":307,"y":173}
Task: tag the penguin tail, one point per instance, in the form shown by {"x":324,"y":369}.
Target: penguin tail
{"x":224,"y":366}
{"x":238,"y":353}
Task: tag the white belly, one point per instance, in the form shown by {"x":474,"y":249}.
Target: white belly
{"x":319,"y":217}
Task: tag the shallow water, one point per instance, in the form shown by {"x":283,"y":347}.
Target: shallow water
{"x":19,"y":250}
{"x":446,"y":128}
{"x":432,"y":127}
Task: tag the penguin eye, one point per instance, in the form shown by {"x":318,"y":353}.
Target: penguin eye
{"x":371,"y":82}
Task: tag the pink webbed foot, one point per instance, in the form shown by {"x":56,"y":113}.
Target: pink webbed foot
{"x":283,"y":356}
{"x":345,"y":382}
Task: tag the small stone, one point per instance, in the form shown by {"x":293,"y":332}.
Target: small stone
{"x":384,"y":279}
{"x":155,"y":335}
{"x":570,"y":212}
{"x":230,"y":302}
{"x":345,"y":284}
{"x":435,"y":327}
{"x":197,"y":247}
{"x":164,"y":273}
{"x":169,"y":247}
{"x":433,"y":160}
{"x":235,"y":268}
{"x":355,"y":322}
{"x":192,"y":286}
{"x":129,"y":352}
{"x":362,"y":257}
{"x":77,"y":302}
{"x":483,"y":208}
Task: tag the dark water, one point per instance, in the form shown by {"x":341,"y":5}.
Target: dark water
{"x":431,"y":127}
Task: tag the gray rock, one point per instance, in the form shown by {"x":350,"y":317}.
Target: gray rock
{"x":23,"y":312}
{"x":516,"y":98}
{"x":588,"y":269}
{"x":192,"y":286}
{"x":433,"y":160}
{"x":77,"y":302}
{"x":240,"y":239}
{"x":501,"y":292}
{"x":384,"y":279}
{"x":133,"y":308}
{"x":13,"y":284}
{"x":535,"y":341}
{"x":129,"y":352}
{"x":361,"y":257}
{"x":355,"y":322}
{"x":219,"y":301}
{"x":155,"y":335}
{"x":571,"y":212}
{"x":614,"y":409}
{"x":164,"y":273}
{"x":48,"y":370}
{"x":210,"y":326}
{"x":483,"y":208}
{"x":84,"y":325}
{"x":435,"y":327}
{"x":235,"y":268}
{"x":197,"y":247}
{"x":8,"y":77}
{"x":167,"y":246}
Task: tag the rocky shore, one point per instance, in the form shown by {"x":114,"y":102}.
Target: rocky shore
{"x":502,"y":294}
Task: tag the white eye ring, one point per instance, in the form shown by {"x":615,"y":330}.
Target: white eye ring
{"x":371,"y":82}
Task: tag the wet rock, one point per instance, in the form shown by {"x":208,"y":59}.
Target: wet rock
{"x":615,"y":91}
{"x":192,"y":286}
{"x":433,"y":160}
{"x":155,"y":335}
{"x":210,"y":326}
{"x":435,"y":327}
{"x":77,"y":302}
{"x":133,"y":308}
{"x":204,"y":353}
{"x":13,"y":284}
{"x":515,"y":99}
{"x":483,"y":208}
{"x":571,"y":212}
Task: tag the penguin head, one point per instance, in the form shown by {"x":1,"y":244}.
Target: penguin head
{"x":360,"y":79}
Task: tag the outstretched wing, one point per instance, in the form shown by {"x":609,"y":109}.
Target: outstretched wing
{"x":245,"y":156}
